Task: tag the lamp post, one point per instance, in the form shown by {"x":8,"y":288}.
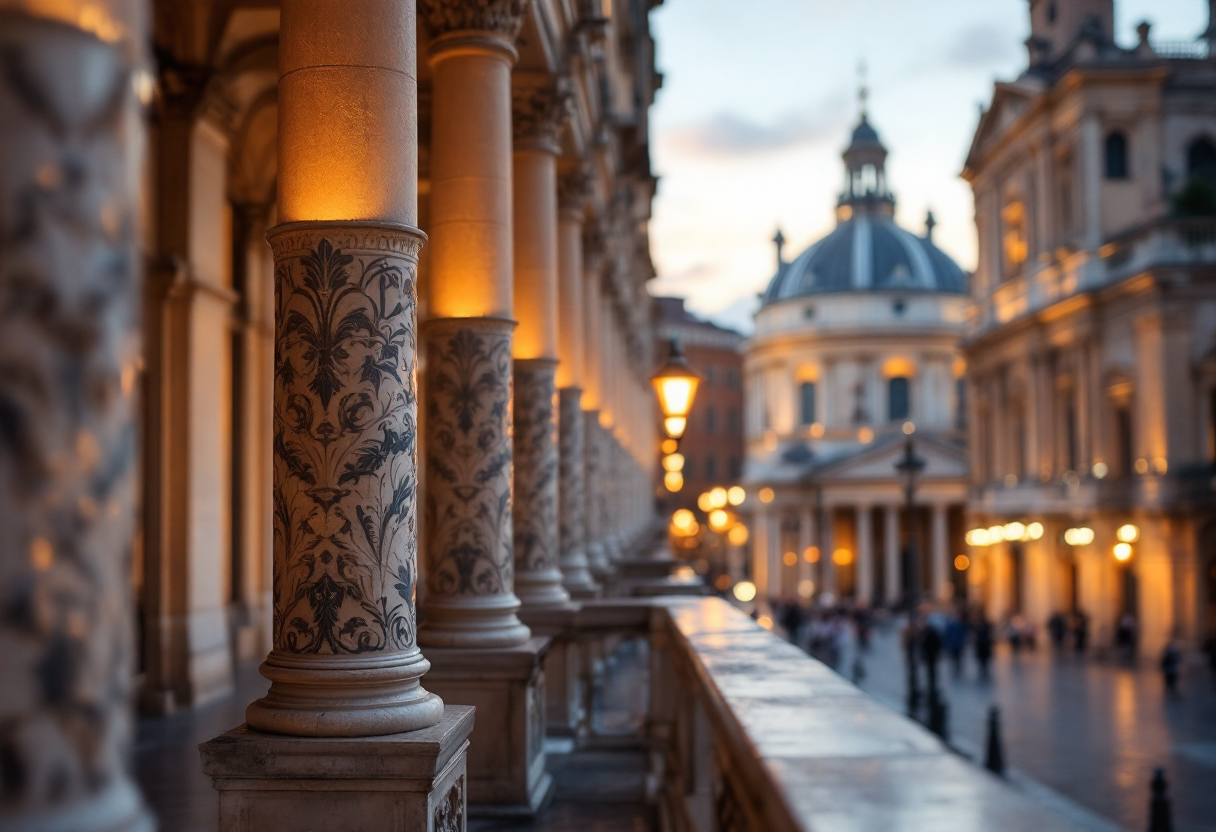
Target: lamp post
{"x":910,"y":467}
{"x":676,"y":386}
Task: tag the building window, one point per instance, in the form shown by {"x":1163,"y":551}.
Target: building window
{"x":1201,"y":158}
{"x":807,"y":396}
{"x":898,"y":398}
{"x":960,"y":403}
{"x":1014,"y":239}
{"x":1123,"y":441}
{"x":1116,"y":156}
{"x":732,"y":420}
{"x":711,"y":419}
{"x":711,"y":376}
{"x":711,"y":467}
{"x":736,"y":470}
{"x":1071,"y":447}
{"x":732,"y":379}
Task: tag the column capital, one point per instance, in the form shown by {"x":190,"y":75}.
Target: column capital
{"x":538,"y":113}
{"x":574,"y":189}
{"x":502,"y":17}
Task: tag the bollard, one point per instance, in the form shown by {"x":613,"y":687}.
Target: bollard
{"x":994,"y":759}
{"x":1160,"y":816}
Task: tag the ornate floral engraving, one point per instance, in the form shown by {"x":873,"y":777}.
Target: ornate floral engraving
{"x":69,"y":347}
{"x":535,"y":510}
{"x":449,"y":812}
{"x":536,"y":718}
{"x":504,"y":17}
{"x":345,"y":425}
{"x":593,"y":490}
{"x":469,"y":453}
{"x":571,"y":509}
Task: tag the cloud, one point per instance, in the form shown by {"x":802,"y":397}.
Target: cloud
{"x":728,"y":134}
{"x":983,"y":45}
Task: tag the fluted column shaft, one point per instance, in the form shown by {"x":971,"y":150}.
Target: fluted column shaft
{"x":69,"y":347}
{"x":470,"y":566}
{"x":345,"y":660}
{"x":538,"y":112}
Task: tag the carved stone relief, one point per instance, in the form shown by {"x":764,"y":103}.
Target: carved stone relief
{"x":504,"y":17}
{"x":345,"y":430}
{"x":571,"y":510}
{"x":535,"y":509}
{"x":449,"y":815}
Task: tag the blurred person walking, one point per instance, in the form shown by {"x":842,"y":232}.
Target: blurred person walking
{"x":983,"y":645}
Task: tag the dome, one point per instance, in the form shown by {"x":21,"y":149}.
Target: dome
{"x":867,"y":252}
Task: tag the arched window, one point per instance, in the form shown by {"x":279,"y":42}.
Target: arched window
{"x":806,"y":393}
{"x":1015,"y":241}
{"x":1116,"y":156}
{"x":1201,"y":158}
{"x":898,"y":398}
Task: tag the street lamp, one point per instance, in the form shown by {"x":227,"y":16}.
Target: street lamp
{"x":910,"y":467}
{"x":676,"y":386}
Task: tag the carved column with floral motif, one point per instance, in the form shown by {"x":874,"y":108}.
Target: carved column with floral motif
{"x":69,"y":348}
{"x":481,"y":653}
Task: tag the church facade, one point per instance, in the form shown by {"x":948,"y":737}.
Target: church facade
{"x":854,"y":358}
{"x":1092,"y":353}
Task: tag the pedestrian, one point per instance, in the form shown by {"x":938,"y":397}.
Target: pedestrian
{"x":1013,"y":632}
{"x":1056,"y":628}
{"x":983,"y":646}
{"x":1125,"y":637}
{"x":1080,"y":633}
{"x":955,"y":640}
{"x":930,"y":650}
{"x":1171,"y":662}
{"x":1209,"y":647}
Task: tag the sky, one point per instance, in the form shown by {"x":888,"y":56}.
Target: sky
{"x":759,"y":98}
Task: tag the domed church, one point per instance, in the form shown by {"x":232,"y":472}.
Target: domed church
{"x":855,"y":360}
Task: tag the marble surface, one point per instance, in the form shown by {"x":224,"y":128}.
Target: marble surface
{"x":838,"y":759}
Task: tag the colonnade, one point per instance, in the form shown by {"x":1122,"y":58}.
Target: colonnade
{"x":801,"y":549}
{"x":442,"y":488}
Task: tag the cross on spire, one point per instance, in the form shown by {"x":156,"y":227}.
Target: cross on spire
{"x":863,"y":91}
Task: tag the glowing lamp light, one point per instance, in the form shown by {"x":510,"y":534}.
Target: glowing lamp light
{"x":842,"y":557}
{"x":722,"y":582}
{"x":1128,"y":533}
{"x":1034,"y":531}
{"x":961,"y":563}
{"x":1080,"y":536}
{"x":765,"y":621}
{"x":806,"y":588}
{"x":669,"y":446}
{"x":736,"y":495}
{"x":977,"y":537}
{"x":673,"y":481}
{"x":766,"y":495}
{"x":737,"y":535}
{"x":683,"y":519}
{"x":1123,"y":552}
{"x":1100,"y":470}
{"x":865,"y":436}
{"x":704,"y":504}
{"x":811,"y":555}
{"x":1015,"y":531}
{"x":745,"y":591}
{"x":789,"y":558}
{"x":909,"y":428}
{"x":717,"y":497}
{"x":718,"y":519}
{"x":673,"y":462}
{"x":996,"y":534}
{"x":675,"y":384}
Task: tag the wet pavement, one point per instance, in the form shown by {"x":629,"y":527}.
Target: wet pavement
{"x":1089,"y":730}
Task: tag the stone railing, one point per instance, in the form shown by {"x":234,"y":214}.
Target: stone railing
{"x":747,"y":732}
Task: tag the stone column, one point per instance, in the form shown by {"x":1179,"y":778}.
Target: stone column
{"x":593,"y":462}
{"x":537,"y":115}
{"x":760,"y":552}
{"x":481,"y":653}
{"x":865,"y":556}
{"x":806,"y":539}
{"x":572,"y":529}
{"x":827,"y":567}
{"x":892,"y":588}
{"x":939,"y":564}
{"x":69,"y":348}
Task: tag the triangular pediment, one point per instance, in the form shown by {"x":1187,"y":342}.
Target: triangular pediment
{"x":1010,"y":101}
{"x":943,"y":460}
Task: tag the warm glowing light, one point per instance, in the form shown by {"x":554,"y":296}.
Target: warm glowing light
{"x":977,"y":537}
{"x":806,"y":588}
{"x":1034,"y":531}
{"x":996,"y":534}
{"x":898,"y":366}
{"x":817,"y":430}
{"x":770,"y":440}
{"x":745,"y":591}
{"x":1160,"y":465}
{"x":909,"y":428}
{"x":811,"y":554}
{"x":673,"y":481}
{"x":961,"y":563}
{"x":718,"y":519}
{"x":675,"y":426}
{"x":722,"y":582}
{"x":736,"y":495}
{"x":766,"y":495}
{"x":865,"y":436}
{"x":737,"y":535}
{"x":1128,"y":533}
{"x":789,"y":558}
{"x":703,"y":503}
{"x":1015,"y":531}
{"x":1100,"y":470}
{"x":765,"y":622}
{"x":1011,"y":480}
{"x":683,"y":519}
{"x":1142,"y":466}
{"x":717,"y":497}
{"x":685,"y":573}
{"x":673,"y":462}
{"x":676,"y":386}
{"x":1123,"y":552}
{"x":842,"y":557}
{"x":1081,"y":536}
{"x":669,"y":446}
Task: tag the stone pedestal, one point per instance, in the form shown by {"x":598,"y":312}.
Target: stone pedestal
{"x":391,"y":783}
{"x":506,"y":765}
{"x":565,"y":715}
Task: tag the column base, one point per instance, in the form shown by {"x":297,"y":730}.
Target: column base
{"x":564,"y":712}
{"x":506,"y":767}
{"x":394,"y":783}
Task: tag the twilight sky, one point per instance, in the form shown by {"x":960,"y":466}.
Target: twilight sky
{"x":758,"y":101}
